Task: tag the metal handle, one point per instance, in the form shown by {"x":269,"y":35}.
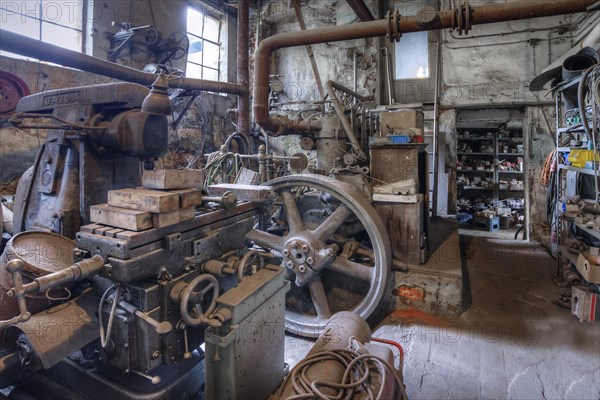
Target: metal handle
{"x":162,"y":328}
{"x":15,"y":267}
{"x":75,"y":272}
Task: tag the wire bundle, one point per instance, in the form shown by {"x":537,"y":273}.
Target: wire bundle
{"x":356,"y":379}
{"x":222,"y":167}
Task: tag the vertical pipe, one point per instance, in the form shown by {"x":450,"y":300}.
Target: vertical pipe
{"x":387,"y":75}
{"x":242,"y":66}
{"x":526,"y":149}
{"x":436,"y":129}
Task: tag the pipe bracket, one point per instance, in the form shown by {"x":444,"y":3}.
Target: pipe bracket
{"x":393,"y":26}
{"x":462,"y":17}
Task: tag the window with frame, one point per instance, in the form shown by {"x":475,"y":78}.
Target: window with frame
{"x":203,"y":30}
{"x":411,"y":53}
{"x":58,"y":22}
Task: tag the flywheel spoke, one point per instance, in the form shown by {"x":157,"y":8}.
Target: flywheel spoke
{"x":352,"y":268}
{"x":266,"y":240}
{"x":319,"y":298}
{"x":291,"y":212}
{"x":332,"y":223}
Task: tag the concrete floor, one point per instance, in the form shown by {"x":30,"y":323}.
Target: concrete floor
{"x":512,"y":342}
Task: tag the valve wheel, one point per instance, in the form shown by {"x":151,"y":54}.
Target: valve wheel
{"x":198,"y":299}
{"x":324,"y":279}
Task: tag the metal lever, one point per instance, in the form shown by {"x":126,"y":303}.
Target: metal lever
{"x":162,"y":328}
{"x":75,"y":272}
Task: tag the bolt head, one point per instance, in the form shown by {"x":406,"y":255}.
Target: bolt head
{"x":290,"y":264}
{"x":310,"y":260}
{"x":304,"y":248}
{"x":302,"y":268}
{"x":286,"y":252}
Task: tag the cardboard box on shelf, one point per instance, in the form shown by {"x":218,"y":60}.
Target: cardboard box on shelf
{"x":584,"y":304}
{"x":589,"y":271}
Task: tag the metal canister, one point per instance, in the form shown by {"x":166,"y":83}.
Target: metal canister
{"x":42,"y":253}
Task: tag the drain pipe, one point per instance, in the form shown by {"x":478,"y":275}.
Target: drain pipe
{"x":19,"y":44}
{"x":243,"y":116}
{"x":393,"y":26}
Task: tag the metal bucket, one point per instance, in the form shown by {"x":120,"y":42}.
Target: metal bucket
{"x":505,"y":222}
{"x":42,"y":253}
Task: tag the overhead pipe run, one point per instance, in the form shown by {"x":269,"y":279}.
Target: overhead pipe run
{"x":19,"y":44}
{"x":393,"y":26}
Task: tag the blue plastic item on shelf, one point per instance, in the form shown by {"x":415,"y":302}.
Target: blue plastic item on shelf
{"x":399,"y":139}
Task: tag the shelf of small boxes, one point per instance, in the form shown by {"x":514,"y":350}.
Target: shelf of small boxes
{"x":579,"y":251}
{"x":475,"y":182}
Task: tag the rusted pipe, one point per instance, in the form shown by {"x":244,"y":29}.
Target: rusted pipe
{"x":484,"y":14}
{"x":25,"y":46}
{"x":243,"y":72}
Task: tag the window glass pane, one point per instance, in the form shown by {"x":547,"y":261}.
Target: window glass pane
{"x":194,"y":21}
{"x":210,"y":74}
{"x":20,"y":24}
{"x":63,"y":12}
{"x":60,"y":36}
{"x":211,"y":55}
{"x":412,"y":56}
{"x":195,"y":49}
{"x":193,"y":71}
{"x":211,"y":29}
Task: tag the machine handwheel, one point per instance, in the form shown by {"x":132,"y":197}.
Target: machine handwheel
{"x":201,"y":305}
{"x":314,"y":219}
{"x":250,"y":259}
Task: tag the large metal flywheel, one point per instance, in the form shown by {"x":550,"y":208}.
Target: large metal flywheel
{"x":333,"y":245}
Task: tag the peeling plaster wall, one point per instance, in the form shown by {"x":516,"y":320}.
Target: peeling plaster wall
{"x":334,"y":60}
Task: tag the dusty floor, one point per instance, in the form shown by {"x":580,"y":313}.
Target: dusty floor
{"x":512,"y":342}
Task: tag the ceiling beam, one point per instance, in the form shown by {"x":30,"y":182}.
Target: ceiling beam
{"x":361,"y":9}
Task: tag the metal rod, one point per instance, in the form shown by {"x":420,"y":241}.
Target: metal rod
{"x":361,"y":10}
{"x":344,"y":120}
{"x":19,"y":44}
{"x":243,"y":72}
{"x":342,"y":88}
{"x":484,"y":14}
